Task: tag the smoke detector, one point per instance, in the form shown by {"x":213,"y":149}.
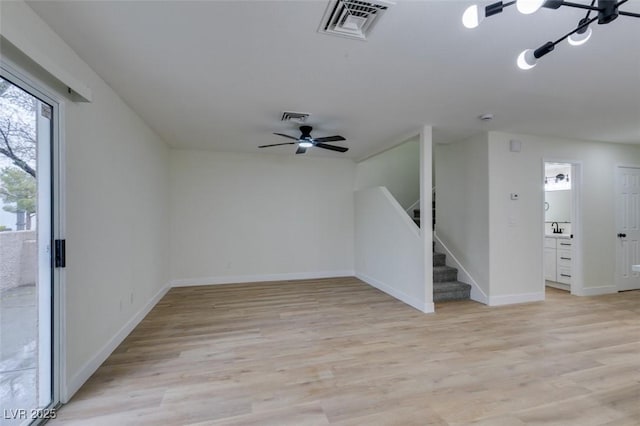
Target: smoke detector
{"x":485,"y":117}
{"x":352,"y":18}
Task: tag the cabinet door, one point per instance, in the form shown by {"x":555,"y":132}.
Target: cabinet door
{"x":550,"y":264}
{"x":549,"y":242}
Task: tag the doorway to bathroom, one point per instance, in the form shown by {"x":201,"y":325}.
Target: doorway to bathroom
{"x":559,"y":214}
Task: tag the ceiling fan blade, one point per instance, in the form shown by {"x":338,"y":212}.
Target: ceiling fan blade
{"x":301,"y":150}
{"x":286,"y":136}
{"x":277,"y":144}
{"x":335,"y":138}
{"x":332,"y":147}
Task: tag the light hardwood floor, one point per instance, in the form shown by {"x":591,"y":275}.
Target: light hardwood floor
{"x":337,"y":351}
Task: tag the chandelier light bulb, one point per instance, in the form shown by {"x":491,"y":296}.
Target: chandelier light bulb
{"x":527,"y":7}
{"x":526,"y":60}
{"x":471,"y":17}
{"x":578,"y":39}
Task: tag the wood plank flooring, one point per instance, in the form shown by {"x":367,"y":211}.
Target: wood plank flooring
{"x":337,"y":351}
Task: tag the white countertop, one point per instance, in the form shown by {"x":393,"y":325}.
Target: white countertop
{"x":566,"y":236}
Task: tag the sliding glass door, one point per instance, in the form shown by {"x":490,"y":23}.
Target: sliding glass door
{"x":27,"y":373}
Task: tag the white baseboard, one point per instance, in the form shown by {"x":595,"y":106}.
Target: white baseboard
{"x":401,"y":296}
{"x":511,"y":299}
{"x":596,"y":291}
{"x":72,"y":386}
{"x":238,"y":279}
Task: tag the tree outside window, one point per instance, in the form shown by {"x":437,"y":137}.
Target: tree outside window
{"x":17,"y":154}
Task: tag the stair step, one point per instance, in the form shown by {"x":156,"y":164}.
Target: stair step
{"x":450,"y":286}
{"x":439,"y":259}
{"x":444,"y":274}
{"x":445,"y":281}
{"x":452,"y":290}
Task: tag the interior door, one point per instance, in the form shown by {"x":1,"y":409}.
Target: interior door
{"x":628,"y":227}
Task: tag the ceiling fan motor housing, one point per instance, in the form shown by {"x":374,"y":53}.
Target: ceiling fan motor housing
{"x":306,"y":132}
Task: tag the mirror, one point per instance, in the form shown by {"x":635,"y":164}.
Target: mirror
{"x":557,"y":206}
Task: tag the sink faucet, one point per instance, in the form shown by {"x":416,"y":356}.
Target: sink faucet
{"x":556,"y":230}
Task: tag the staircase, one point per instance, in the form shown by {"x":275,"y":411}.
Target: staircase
{"x":445,"y":281}
{"x":445,"y":278}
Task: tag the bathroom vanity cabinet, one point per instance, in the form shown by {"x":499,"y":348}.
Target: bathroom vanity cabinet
{"x":558,"y":259}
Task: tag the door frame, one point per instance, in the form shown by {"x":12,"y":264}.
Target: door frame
{"x":616,"y":182}
{"x":577,"y":280}
{"x":38,"y":88}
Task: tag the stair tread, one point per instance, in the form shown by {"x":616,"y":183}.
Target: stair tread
{"x":439,"y":259}
{"x":443,"y":268}
{"x":450,"y":296}
{"x":448,"y":286}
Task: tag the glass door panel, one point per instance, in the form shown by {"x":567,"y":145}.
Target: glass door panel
{"x":25,"y":255}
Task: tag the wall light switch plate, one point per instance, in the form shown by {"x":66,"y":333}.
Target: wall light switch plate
{"x":515,"y":196}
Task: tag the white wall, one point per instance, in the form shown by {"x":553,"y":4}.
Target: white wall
{"x":462,"y":204}
{"x":248,"y":217}
{"x":117,"y":216}
{"x":389,"y":248}
{"x":517,"y":227}
{"x":515,"y":260}
{"x":397,"y":169}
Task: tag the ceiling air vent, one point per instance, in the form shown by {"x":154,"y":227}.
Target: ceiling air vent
{"x":298,"y":117}
{"x":352,"y":18}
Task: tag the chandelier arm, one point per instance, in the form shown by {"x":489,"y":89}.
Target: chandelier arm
{"x":578,"y":28}
{"x":580,"y":6}
{"x":634,"y":15}
{"x":497,"y":7}
{"x":593,"y":2}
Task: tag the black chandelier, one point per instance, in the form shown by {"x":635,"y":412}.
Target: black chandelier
{"x":606,"y":11}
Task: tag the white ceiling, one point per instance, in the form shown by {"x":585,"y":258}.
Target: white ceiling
{"x":217,"y":75}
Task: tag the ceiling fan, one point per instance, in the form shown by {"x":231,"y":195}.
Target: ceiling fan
{"x":306,"y":141}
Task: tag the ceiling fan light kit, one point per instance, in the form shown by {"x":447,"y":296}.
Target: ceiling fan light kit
{"x":606,"y":11}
